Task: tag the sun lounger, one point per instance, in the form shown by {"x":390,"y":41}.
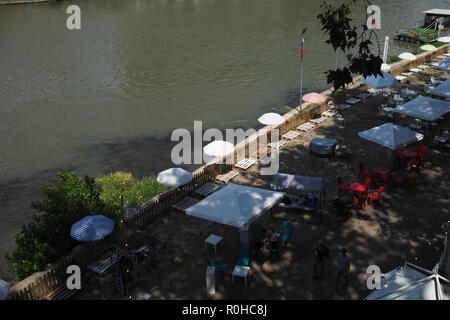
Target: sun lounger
{"x":329,"y":113}
{"x":352,"y":101}
{"x":363,"y":95}
{"x":400,"y":78}
{"x":342,"y":106}
{"x":423,"y":66}
{"x":441,"y":57}
{"x":305,"y":126}
{"x":318,"y":120}
{"x":185,"y":203}
{"x":415,"y":70}
{"x":245,"y":163}
{"x":291,"y":135}
{"x":206,"y":189}
{"x":227,"y":176}
{"x":277,"y":145}
{"x":407,"y":74}
{"x":102,"y":264}
{"x":373,"y":91}
{"x":447,"y":54}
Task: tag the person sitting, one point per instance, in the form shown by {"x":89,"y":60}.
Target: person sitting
{"x":265,"y":248}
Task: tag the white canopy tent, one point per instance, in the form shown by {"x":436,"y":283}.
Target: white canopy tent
{"x":411,"y":282}
{"x":424,"y":108}
{"x":235,"y":205}
{"x":391,"y":136}
{"x":442,"y":90}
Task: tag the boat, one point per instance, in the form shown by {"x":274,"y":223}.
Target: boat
{"x":435,"y":24}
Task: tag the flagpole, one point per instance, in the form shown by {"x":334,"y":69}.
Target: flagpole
{"x":301,"y":72}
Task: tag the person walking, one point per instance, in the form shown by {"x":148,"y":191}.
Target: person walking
{"x":343,"y":269}
{"x":321,"y":254}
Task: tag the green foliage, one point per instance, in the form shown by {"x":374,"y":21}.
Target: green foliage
{"x":345,"y":37}
{"x":135,"y":192}
{"x":47,"y":235}
{"x":392,"y":59}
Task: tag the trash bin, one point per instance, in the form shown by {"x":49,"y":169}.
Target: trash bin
{"x":210,"y":280}
{"x":4,"y":290}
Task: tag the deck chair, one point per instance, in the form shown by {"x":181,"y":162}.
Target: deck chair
{"x":218,"y":267}
{"x":244,"y":255}
{"x":286,"y":232}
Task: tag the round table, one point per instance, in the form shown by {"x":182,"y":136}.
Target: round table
{"x":382,"y":171}
{"x":357,"y":187}
{"x":408,"y":153}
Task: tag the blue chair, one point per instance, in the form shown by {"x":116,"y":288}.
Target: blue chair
{"x":219,"y":267}
{"x":286,"y":232}
{"x":244,"y":255}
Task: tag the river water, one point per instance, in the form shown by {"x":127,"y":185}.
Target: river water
{"x":107,"y":97}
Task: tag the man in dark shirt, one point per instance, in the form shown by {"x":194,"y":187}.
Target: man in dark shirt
{"x":321,"y":253}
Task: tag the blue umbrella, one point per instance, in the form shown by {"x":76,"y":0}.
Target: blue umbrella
{"x":380,"y":82}
{"x":92,"y":228}
{"x":444,"y":64}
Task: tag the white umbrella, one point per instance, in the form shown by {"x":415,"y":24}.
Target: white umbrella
{"x":385,"y":67}
{"x":271,"y":119}
{"x":444,"y":39}
{"x":218,"y":148}
{"x":174,"y":177}
{"x":407,"y":56}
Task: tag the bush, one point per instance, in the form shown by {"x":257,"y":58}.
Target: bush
{"x":135,"y":192}
{"x":392,"y":59}
{"x":47,"y":235}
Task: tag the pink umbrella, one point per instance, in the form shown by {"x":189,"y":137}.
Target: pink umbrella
{"x":314,"y":98}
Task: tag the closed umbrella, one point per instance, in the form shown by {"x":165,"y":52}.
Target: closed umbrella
{"x":174,"y":177}
{"x":381,"y":82}
{"x":428,"y":47}
{"x":314,"y":98}
{"x":407,"y":56}
{"x":271,"y":119}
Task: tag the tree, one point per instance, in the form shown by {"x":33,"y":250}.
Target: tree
{"x":47,"y":235}
{"x":345,"y":37}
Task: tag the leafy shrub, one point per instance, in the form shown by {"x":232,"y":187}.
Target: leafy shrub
{"x":392,"y":59}
{"x":47,"y":235}
{"x":135,"y":192}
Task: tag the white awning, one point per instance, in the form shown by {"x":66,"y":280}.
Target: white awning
{"x":443,"y":12}
{"x":410,"y":282}
{"x":424,"y":108}
{"x":235,"y":205}
{"x":391,"y":136}
{"x":442,"y":90}
{"x":299,"y":183}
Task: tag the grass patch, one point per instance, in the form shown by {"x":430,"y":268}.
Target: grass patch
{"x":135,"y":191}
{"x":392,"y":59}
{"x":310,"y":106}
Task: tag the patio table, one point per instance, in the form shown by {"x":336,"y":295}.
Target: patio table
{"x":357,"y":187}
{"x":382,"y":171}
{"x":213,"y":240}
{"x":240,"y":271}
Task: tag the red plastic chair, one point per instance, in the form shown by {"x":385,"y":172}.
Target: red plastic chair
{"x":360,"y":202}
{"x":375,"y":194}
{"x":362,"y":171}
{"x":419,"y":162}
{"x":366,"y":182}
{"x":341,"y":186}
